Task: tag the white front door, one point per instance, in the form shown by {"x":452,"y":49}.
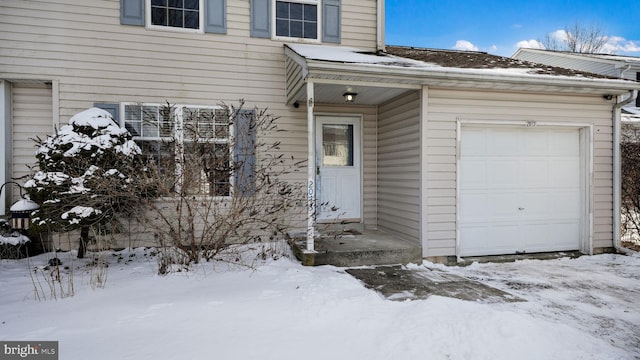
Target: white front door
{"x":338,"y":169}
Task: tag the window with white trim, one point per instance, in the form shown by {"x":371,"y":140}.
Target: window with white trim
{"x":175,"y":14}
{"x":192,"y":143}
{"x":297,"y":19}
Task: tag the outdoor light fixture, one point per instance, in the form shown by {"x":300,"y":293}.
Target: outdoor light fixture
{"x":349,"y":96}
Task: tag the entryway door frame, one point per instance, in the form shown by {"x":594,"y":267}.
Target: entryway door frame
{"x":340,"y":193}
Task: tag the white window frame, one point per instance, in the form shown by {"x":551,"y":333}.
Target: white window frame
{"x":178,"y":136}
{"x":149,"y":25}
{"x":317,"y":40}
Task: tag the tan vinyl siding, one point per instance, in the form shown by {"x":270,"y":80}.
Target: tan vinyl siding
{"x":32,"y":117}
{"x":82,"y":44}
{"x":399,"y":166}
{"x":359,"y":23}
{"x":446,"y":106}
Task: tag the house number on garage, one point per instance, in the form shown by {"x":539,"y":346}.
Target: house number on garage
{"x":530,"y":124}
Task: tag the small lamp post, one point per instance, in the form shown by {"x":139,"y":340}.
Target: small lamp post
{"x":21,"y":213}
{"x":21,"y":210}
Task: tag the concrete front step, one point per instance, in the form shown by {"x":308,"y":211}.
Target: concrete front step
{"x":353,"y":248}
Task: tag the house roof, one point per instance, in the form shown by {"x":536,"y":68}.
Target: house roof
{"x":605,"y":58}
{"x":482,"y":60}
{"x":401,"y":68}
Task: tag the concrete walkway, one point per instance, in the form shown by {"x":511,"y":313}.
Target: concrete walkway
{"x":401,"y":283}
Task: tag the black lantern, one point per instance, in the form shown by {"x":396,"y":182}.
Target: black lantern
{"x":21,"y":213}
{"x":21,"y":210}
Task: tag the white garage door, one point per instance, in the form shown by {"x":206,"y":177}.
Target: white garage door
{"x":520,"y":190}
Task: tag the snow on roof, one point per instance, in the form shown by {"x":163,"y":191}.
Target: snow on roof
{"x":436,"y":59}
{"x":346,"y":54}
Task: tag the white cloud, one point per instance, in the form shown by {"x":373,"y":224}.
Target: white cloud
{"x":617,"y":44}
{"x":530,"y":44}
{"x":493,"y":48}
{"x":465,"y":45}
{"x":559,"y":35}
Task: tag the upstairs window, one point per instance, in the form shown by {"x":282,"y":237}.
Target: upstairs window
{"x":296,"y":19}
{"x":183,"y":14}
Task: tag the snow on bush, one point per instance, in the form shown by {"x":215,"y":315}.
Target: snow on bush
{"x":89,"y":171}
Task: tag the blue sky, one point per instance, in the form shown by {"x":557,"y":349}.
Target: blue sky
{"x":498,"y":27}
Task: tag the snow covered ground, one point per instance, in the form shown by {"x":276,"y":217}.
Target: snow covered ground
{"x":586,"y":308}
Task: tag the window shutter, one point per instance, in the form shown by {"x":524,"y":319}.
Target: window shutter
{"x":261,"y":18}
{"x":132,"y":12}
{"x":244,"y":152}
{"x":215,"y":16}
{"x":113,"y":109}
{"x":331,"y":21}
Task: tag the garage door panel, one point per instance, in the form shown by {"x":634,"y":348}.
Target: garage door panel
{"x":502,"y":173}
{"x":499,"y":143}
{"x":533,"y":173}
{"x":567,"y":172}
{"x":565,"y":235}
{"x":479,"y":180}
{"x":533,"y":143}
{"x":475,"y":143}
{"x":521,"y":192}
{"x":535,"y":204}
{"x":534,"y":236}
{"x":565,"y":203}
{"x":489,"y":239}
{"x":564,"y":143}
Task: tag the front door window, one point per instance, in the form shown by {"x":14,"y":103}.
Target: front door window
{"x":337,"y":145}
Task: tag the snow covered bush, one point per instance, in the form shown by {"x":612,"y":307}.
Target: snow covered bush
{"x":12,"y":243}
{"x":225,"y":182}
{"x":89,"y":174}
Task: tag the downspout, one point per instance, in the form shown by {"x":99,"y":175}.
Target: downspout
{"x":624,"y":71}
{"x":617,"y":172}
{"x":380,"y":25}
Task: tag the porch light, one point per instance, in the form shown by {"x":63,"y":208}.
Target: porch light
{"x":349,"y":96}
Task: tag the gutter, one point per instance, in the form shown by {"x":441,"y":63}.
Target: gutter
{"x":617,"y":201}
{"x":428,"y":76}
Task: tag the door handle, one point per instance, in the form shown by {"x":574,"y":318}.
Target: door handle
{"x":317,"y":170}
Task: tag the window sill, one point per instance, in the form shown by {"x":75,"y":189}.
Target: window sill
{"x":296,"y":40}
{"x":174,"y":29}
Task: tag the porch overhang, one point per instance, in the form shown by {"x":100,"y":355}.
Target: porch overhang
{"x":378,"y":77}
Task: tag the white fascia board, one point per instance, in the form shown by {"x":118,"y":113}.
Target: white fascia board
{"x":468,"y":77}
